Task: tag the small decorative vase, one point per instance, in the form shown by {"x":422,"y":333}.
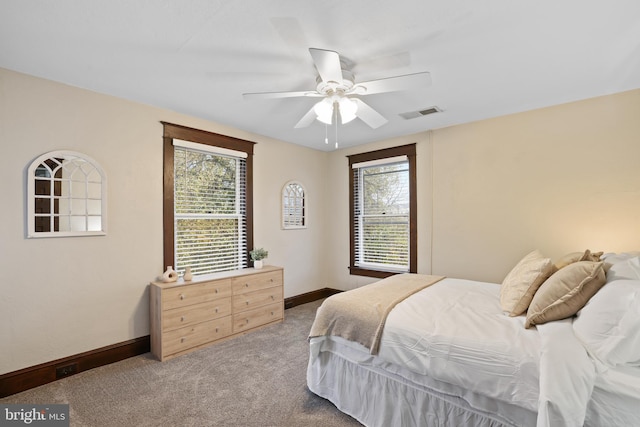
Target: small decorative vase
{"x":187,"y":274}
{"x":170,"y":275}
{"x":257,"y":264}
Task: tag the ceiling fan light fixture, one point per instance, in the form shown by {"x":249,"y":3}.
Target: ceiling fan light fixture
{"x":348,"y":109}
{"x":324,"y":111}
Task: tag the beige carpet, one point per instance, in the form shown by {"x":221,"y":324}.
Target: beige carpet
{"x":255,"y":380}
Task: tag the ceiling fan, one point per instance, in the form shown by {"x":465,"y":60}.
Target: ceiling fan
{"x":340,"y":93}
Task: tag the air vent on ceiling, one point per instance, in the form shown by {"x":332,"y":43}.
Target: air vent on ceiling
{"x":420,"y":113}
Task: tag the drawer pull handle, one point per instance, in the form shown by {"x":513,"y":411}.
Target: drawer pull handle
{"x":272,"y":313}
{"x":183,"y":339}
{"x":182,"y":318}
{"x":216,"y":290}
{"x":247,"y":302}
{"x":272,"y":297}
{"x":181,"y":296}
{"x":216,"y":309}
{"x":216,"y":330}
{"x":271,"y":279}
{"x":246,"y":285}
{"x":247,"y":321}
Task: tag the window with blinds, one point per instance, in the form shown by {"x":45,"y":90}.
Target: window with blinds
{"x":381,"y":220}
{"x":209,"y":211}
{"x":382,"y":205}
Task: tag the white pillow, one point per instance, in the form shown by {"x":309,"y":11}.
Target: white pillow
{"x":614,"y":258}
{"x":609,"y":324}
{"x":628,"y":269}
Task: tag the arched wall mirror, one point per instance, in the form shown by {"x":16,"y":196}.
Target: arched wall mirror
{"x":294,"y":206}
{"x":66,"y":196}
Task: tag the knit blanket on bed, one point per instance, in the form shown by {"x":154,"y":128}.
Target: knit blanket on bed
{"x":359,"y":314}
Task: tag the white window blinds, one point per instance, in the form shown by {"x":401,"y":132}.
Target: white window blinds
{"x":209,"y":210}
{"x":382,"y":214}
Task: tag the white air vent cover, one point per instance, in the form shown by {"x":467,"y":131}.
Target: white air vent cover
{"x":420,"y":113}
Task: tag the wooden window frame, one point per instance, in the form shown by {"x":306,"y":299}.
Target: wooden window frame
{"x":408,"y":150}
{"x":172,"y":131}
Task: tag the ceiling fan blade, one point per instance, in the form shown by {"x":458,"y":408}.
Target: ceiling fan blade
{"x":291,"y":32}
{"x":369,"y":115}
{"x":274,"y":95}
{"x":393,"y":84}
{"x":387,"y":62}
{"x":307,"y":119}
{"x":328,"y":64}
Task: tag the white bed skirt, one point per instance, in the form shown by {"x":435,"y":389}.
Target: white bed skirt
{"x":378,"y":397}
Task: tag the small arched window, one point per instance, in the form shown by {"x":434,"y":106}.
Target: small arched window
{"x":294,"y":206}
{"x":66,"y":196}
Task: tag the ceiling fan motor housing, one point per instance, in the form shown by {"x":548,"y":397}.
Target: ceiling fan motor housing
{"x":336,"y":88}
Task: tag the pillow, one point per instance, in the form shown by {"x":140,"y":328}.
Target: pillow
{"x":628,"y":269}
{"x":577,"y":256}
{"x":609,"y":324}
{"x":523,"y":281}
{"x":566,"y":292}
{"x":613,"y":258}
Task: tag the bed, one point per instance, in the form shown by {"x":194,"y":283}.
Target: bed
{"x":555,"y":344}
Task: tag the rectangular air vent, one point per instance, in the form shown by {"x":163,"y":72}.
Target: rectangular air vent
{"x":420,"y":113}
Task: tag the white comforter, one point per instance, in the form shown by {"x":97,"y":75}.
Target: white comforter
{"x":456,"y":332}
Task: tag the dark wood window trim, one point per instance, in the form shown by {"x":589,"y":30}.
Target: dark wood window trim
{"x":171,"y":132}
{"x":409,"y":151}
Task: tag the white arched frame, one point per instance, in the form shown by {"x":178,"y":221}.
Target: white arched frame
{"x":66,"y":196}
{"x":294,"y":206}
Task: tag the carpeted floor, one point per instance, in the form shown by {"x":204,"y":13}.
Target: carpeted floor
{"x":257,"y":380}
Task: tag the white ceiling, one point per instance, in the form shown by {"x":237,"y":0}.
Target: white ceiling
{"x":486,"y":57}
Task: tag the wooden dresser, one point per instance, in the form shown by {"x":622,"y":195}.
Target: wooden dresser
{"x":186,"y":316}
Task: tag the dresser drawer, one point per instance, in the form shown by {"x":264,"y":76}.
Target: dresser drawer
{"x":257,"y":317}
{"x":179,"y":317}
{"x":254,"y":282}
{"x":195,"y":335}
{"x":256,"y":299}
{"x":185,"y":295}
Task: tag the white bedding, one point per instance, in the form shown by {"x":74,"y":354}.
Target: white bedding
{"x":456,"y":332}
{"x":451,"y":345}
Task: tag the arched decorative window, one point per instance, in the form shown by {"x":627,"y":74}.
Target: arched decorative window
{"x":66,"y":196}
{"x":294,"y":206}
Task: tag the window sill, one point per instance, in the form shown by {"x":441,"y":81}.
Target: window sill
{"x":358,"y":271}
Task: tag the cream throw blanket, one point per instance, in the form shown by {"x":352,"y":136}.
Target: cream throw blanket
{"x":359,"y":314}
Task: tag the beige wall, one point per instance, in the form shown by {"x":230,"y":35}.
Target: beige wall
{"x":64,"y":296}
{"x":300,"y":251}
{"x":559,"y":179}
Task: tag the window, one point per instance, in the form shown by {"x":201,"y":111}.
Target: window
{"x":207,"y":200}
{"x":382,"y":204}
{"x":294,"y":207}
{"x":66,"y":196}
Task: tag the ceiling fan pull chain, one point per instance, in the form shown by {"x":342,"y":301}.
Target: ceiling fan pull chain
{"x":335,"y":110}
{"x":326,"y":133}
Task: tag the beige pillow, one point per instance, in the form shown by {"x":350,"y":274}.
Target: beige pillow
{"x":577,"y":256}
{"x":523,"y":281}
{"x":566,"y":292}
